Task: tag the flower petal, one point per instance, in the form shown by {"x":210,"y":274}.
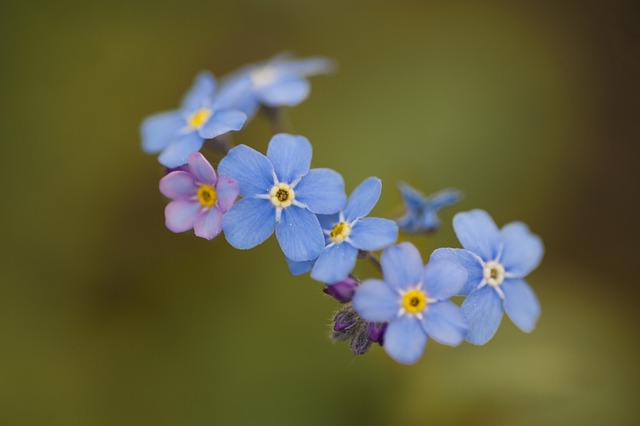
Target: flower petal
{"x":322,"y":191}
{"x":307,"y":66}
{"x":249,"y":223}
{"x":335,"y":263}
{"x":201,"y":168}
{"x":233,"y":92}
{"x":363,"y":199}
{"x":290,"y":156}
{"x":483,"y":309}
{"x":177,"y":153}
{"x":202,"y":89}
{"x":443,"y":278}
{"x":405,"y":340}
{"x":373,"y":233}
{"x":159,"y":130}
{"x":521,"y":304}
{"x":227,"y":192}
{"x":299,"y":268}
{"x":402,"y":265}
{"x":178,"y":185}
{"x":289,"y":91}
{"x":299,"y":234}
{"x":181,"y":215}
{"x":221,"y":122}
{"x":444,"y":198}
{"x":209,"y":224}
{"x":252,"y":170}
{"x":478,"y":233}
{"x":522,"y":250}
{"x":445,"y":323}
{"x":374,"y":300}
{"x":469,"y":261}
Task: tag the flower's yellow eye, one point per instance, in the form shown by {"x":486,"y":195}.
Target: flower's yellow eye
{"x":282,"y":195}
{"x":414,"y":301}
{"x":199,"y":118}
{"x":340,"y":232}
{"x":207,"y":195}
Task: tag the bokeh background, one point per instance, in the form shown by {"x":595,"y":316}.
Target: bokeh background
{"x":106,"y":318}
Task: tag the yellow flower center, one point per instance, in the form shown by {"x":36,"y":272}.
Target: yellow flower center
{"x":207,"y":196}
{"x":199,"y":118}
{"x":493,"y":273}
{"x":414,"y":301}
{"x":340,"y":232}
{"x":282,"y":195}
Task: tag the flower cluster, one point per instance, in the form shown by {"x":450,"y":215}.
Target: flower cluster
{"x":323,"y":232}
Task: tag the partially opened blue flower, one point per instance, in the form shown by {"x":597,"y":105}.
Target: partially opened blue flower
{"x":280,"y":193}
{"x":348,"y":232}
{"x":497,"y":260}
{"x":413,"y":299}
{"x":202,"y":115}
{"x":421,"y":214}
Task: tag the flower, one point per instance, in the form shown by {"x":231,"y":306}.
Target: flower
{"x":200,"y":199}
{"x":280,"y":192}
{"x":413,"y":299}
{"x":202,"y":115}
{"x":421,"y":211}
{"x":348,"y":232}
{"x":343,"y":290}
{"x":497,"y":262}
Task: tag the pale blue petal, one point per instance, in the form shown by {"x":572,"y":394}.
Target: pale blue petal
{"x":201,"y":92}
{"x":478,"y":233}
{"x":375,"y":301}
{"x":299,"y":268}
{"x":443,"y":278}
{"x":181,"y":215}
{"x":402,"y":266}
{"x":335,"y":263}
{"x":328,"y":221}
{"x":221,"y":122}
{"x":177,"y":153}
{"x":159,"y":130}
{"x":466,"y":259}
{"x":299,"y":234}
{"x":249,"y":223}
{"x":372,"y":233}
{"x":522,"y":250}
{"x":405,"y":340}
{"x":322,"y":191}
{"x":412,"y":198}
{"x":209,"y":224}
{"x":178,"y":185}
{"x":290,"y":156}
{"x":285,"y":92}
{"x":227,"y":192}
{"x":363,"y":199}
{"x":483,"y":309}
{"x":201,"y":169}
{"x":252,"y":170}
{"x":445,"y":323}
{"x":521,"y":304}
{"x":444,"y":198}
{"x":308,"y":66}
{"x":233,"y":92}
{"x":429,"y":221}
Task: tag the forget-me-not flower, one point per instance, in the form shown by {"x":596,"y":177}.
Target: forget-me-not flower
{"x":422,"y":211}
{"x":348,"y":232}
{"x":200,"y":198}
{"x":280,"y":192}
{"x":497,"y":260}
{"x":413,"y":299}
{"x":202,"y":115}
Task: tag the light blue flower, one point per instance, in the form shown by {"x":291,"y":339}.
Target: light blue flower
{"x":348,"y":232}
{"x":202,"y":115}
{"x":422,"y":211}
{"x":496,"y":260}
{"x":413,"y":299}
{"x":280,"y":192}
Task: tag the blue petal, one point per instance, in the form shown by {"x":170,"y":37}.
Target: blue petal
{"x":444,"y":198}
{"x":363,"y":199}
{"x":405,"y":340}
{"x":322,"y":191}
{"x":375,"y":301}
{"x":478,"y":233}
{"x":252,"y":170}
{"x":249,"y":223}
{"x":445,"y":323}
{"x":177,"y":153}
{"x":290,"y":156}
{"x":443,"y":278}
{"x":299,"y":268}
{"x":308,"y":66}
{"x":234,"y":91}
{"x":372,"y":233}
{"x":521,"y":304}
{"x":402,"y":265}
{"x":522,"y":250}
{"x":289,"y":92}
{"x":159,"y":130}
{"x":299,"y":234}
{"x":335,"y":263}
{"x":203,"y":88}
{"x":466,"y":259}
{"x":412,"y":198}
{"x":483,"y":309}
{"x":328,"y":221}
{"x":221,"y":122}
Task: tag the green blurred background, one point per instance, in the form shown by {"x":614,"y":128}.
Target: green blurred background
{"x":106,"y":318}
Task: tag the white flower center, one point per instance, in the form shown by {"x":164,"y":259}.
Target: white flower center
{"x":282,"y":195}
{"x":493,"y":273}
{"x":264,"y":76}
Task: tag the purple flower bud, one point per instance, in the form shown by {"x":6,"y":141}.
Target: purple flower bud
{"x":360,"y":344}
{"x":343,"y":290}
{"x":375,"y":331}
{"x":344,"y":320}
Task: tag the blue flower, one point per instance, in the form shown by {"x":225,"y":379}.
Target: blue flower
{"x":497,"y":262}
{"x":421,"y":211}
{"x":280,"y":192}
{"x":413,"y":299}
{"x":202,"y":115}
{"x":348,"y":232}
{"x":279,"y":81}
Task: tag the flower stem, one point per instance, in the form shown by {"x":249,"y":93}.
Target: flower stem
{"x":363,"y":254}
{"x":276,"y":118}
